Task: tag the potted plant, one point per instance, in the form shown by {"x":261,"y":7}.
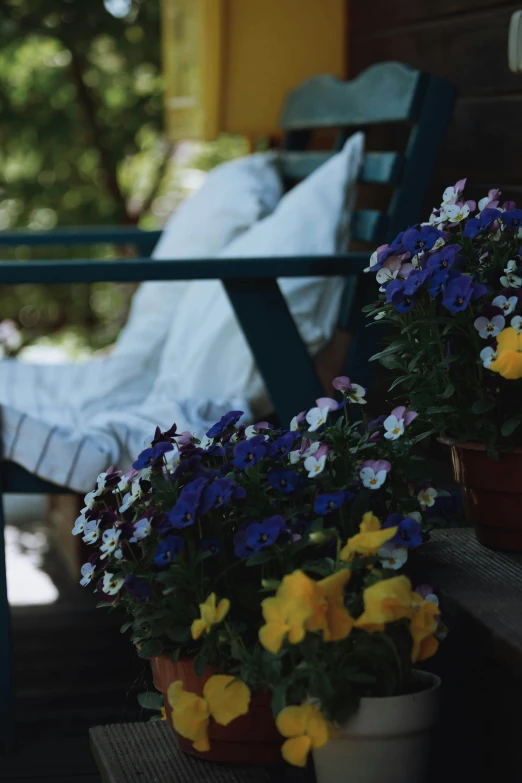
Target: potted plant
{"x":451,"y":291}
{"x":261,"y":570}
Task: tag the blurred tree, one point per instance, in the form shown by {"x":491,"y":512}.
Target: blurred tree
{"x":82,"y":143}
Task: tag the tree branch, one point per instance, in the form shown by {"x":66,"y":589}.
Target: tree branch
{"x":162,"y":169}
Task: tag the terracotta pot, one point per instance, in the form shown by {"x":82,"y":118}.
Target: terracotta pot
{"x":387,"y":739}
{"x":492,"y":493}
{"x":250,"y":739}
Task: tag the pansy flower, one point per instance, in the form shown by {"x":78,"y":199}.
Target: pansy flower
{"x":249,"y":452}
{"x":112,"y":583}
{"x":167,"y":550}
{"x":315,"y":465}
{"x":91,"y":531}
{"x":212,"y":545}
{"x":460,"y":291}
{"x":488,"y":356}
{"x":262,"y":534}
{"x":149,"y":456}
{"x":512,"y":219}
{"x":284,"y":480}
{"x":506,"y":304}
{"x":408,"y":530}
{"x":423,"y":238}
{"x":391,"y":556}
{"x":282,"y":445}
{"x":489,"y":327}
{"x":330,"y":501}
{"x":138,"y":587}
{"x":226,"y":421}
{"x":316,"y":417}
{"x":443,"y":259}
{"x":373,"y":473}
{"x":110,"y":540}
{"x":87,"y":571}
{"x":297,"y":421}
{"x":474,"y":226}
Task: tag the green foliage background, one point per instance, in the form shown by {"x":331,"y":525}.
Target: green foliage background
{"x":82,"y":143}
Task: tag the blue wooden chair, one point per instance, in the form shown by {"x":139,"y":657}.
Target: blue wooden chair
{"x":385,"y":93}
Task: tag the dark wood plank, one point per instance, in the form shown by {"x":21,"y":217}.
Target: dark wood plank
{"x":382,"y":168}
{"x":6,"y":658}
{"x":396,"y":13}
{"x":139,"y":752}
{"x":482,"y":584}
{"x":470,"y":51}
{"x":117,"y":235}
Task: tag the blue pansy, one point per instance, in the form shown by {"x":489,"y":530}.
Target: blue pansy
{"x":137,"y":587}
{"x":459,"y":291}
{"x":474,"y":226}
{"x":409,"y":530}
{"x":249,"y":452}
{"x":241,"y":547}
{"x":403,"y":302}
{"x":330,"y":501}
{"x":423,"y":238}
{"x":212,"y":545}
{"x":226,"y":421}
{"x":216,"y":494}
{"x":512,"y":218}
{"x":446,"y":507}
{"x":262,"y":534}
{"x":443,"y":259}
{"x":215,"y":450}
{"x":284,"y":480}
{"x":438,"y":282}
{"x":282,"y":446}
{"x":415,"y":280}
{"x":168,"y":549}
{"x":393,"y":287}
{"x":184,"y":512}
{"x":148,"y":456}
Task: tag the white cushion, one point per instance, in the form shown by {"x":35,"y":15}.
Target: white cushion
{"x":206,"y":357}
{"x":233,"y":197}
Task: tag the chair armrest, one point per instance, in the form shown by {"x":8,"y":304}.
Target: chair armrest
{"x":142,"y":269}
{"x":116,"y":235}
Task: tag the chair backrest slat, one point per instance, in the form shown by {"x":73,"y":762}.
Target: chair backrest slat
{"x":368,"y":225}
{"x":380,"y":168}
{"x":386,"y":92}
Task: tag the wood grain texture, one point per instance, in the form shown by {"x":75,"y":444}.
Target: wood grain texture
{"x":482,"y":584}
{"x":470,"y":51}
{"x":139,"y":752}
{"x":397,"y":13}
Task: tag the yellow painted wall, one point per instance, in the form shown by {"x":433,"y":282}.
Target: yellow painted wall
{"x":229,"y":63}
{"x":270,"y":46}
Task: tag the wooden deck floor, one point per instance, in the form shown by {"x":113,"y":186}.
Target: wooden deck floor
{"x":73,"y":670}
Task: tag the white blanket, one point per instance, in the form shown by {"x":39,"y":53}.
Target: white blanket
{"x":67,"y":423}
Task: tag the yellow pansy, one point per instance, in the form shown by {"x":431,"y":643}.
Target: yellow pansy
{"x":211,"y":613}
{"x":283,"y":618}
{"x":423,"y":626}
{"x":369,"y":539}
{"x":509,"y":354}
{"x":163,"y":713}
{"x":227,"y":698}
{"x":224,"y":699}
{"x":306,"y":728}
{"x":190,"y":715}
{"x":386,"y":601}
{"x":304,"y":605}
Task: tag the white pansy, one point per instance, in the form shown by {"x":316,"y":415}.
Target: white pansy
{"x":489,"y":328}
{"x":110,"y":540}
{"x":439,"y":243}
{"x":432,"y":598}
{"x":505,"y":304}
{"x":415,"y":515}
{"x":90,"y":499}
{"x":112,"y":584}
{"x":142,"y":529}
{"x":511,"y":267}
{"x":371,"y":479}
{"x":294,"y":456}
{"x":516,"y":323}
{"x":357,"y":393}
{"x":314,"y":466}
{"x":511,"y":281}
{"x":385,"y":275}
{"x":87,"y":571}
{"x":426,"y":497}
{"x":393,"y":558}
{"x":488,"y":356}
{"x":91,"y":532}
{"x":449,"y":195}
{"x":456,"y":213}
{"x":79,"y":525}
{"x":394,"y":427}
{"x":379,"y":316}
{"x":131,"y":497}
{"x":374,"y":259}
{"x":316,"y":417}
{"x":294,"y":425}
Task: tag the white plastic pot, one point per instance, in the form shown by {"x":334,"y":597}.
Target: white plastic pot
{"x":386,"y":741}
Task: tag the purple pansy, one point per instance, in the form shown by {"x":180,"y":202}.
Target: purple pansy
{"x":216,"y":494}
{"x":148,"y":456}
{"x":474,"y":226}
{"x":262,"y":534}
{"x":138,"y":587}
{"x":443,"y":259}
{"x":423,"y":238}
{"x":403,"y":302}
{"x":512,"y":218}
{"x":459,"y":291}
{"x":184,"y":512}
{"x":212,"y":545}
{"x":282,"y":446}
{"x":226,"y":421}
{"x":409,"y":530}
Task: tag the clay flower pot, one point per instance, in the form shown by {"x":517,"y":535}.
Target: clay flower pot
{"x":388,"y":739}
{"x":492,"y":493}
{"x":250,"y":739}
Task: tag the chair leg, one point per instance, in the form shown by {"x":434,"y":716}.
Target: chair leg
{"x":6,"y":681}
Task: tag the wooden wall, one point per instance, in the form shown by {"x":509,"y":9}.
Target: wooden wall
{"x":464,"y":41}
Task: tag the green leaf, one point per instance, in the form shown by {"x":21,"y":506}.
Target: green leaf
{"x":434,"y":410}
{"x":448,"y":391}
{"x":125,"y":627}
{"x":278,"y":698}
{"x":178,"y":634}
{"x":392,"y":362}
{"x":151,"y":648}
{"x":260,"y":557}
{"x":200,"y":663}
{"x":174,"y":656}
{"x":150,"y":700}
{"x":509,"y":426}
{"x":482,"y":406}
